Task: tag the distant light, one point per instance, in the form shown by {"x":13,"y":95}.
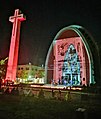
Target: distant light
{"x":29,"y":76}
{"x":29,"y":63}
{"x":42,"y":65}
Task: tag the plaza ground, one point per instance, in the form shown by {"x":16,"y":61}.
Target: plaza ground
{"x":30,"y":107}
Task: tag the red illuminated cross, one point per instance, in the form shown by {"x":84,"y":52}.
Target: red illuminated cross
{"x":17,"y":17}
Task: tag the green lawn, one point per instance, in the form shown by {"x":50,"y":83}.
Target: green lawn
{"x":21,"y":107}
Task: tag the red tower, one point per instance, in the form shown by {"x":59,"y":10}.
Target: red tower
{"x":14,"y":46}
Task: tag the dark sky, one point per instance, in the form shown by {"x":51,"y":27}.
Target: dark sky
{"x":44,"y":18}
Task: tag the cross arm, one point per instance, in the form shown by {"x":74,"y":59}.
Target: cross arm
{"x":20,"y":17}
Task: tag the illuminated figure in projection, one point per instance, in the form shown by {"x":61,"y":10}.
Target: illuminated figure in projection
{"x":71,"y":67}
{"x":14,"y":46}
{"x":72,"y":58}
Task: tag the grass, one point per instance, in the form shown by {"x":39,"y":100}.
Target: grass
{"x":22,"y":107}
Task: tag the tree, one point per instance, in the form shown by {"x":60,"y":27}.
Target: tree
{"x":24,"y":74}
{"x":3,"y":67}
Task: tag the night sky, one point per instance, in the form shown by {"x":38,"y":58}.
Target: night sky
{"x":44,"y":19}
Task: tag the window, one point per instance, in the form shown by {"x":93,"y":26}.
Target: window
{"x":21,"y":68}
{"x":27,"y":68}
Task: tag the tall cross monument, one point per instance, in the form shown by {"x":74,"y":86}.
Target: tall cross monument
{"x":14,"y":45}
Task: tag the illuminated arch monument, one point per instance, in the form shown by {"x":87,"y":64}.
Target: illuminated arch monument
{"x":73,"y":58}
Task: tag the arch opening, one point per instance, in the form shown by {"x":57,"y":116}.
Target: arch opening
{"x":69,"y":60}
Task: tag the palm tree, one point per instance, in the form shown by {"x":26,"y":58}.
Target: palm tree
{"x":3,"y":67}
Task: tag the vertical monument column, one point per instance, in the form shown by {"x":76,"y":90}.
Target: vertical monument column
{"x":14,"y":46}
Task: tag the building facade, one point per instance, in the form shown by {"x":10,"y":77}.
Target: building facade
{"x":30,"y":73}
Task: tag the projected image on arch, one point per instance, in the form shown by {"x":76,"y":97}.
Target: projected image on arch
{"x":71,"y":67}
{"x":71,"y":63}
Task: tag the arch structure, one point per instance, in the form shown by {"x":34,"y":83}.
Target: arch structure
{"x":73,"y":58}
